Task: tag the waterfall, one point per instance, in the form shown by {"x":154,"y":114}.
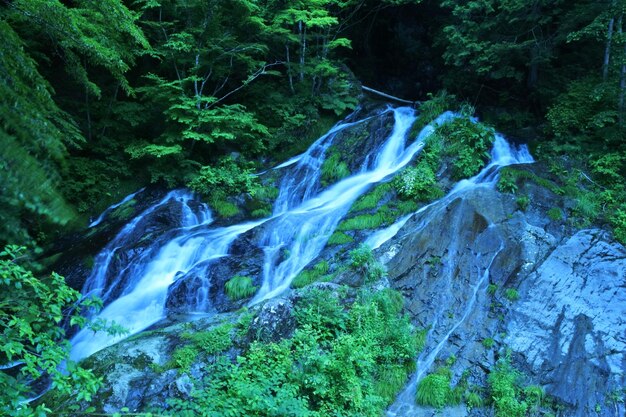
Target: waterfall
{"x":502,"y":154}
{"x":133,"y":272}
{"x":304,"y":229}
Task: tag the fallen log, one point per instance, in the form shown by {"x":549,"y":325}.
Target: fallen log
{"x":388,"y":96}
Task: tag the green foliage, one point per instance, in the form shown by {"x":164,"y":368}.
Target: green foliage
{"x":491,"y":289}
{"x":504,"y":384}
{"x":224,"y":209}
{"x":507,"y":183}
{"x":421,"y":336}
{"x":523,"y":202}
{"x":333,"y":169}
{"x":349,"y":358}
{"x":584,"y":114}
{"x":32,"y":343}
{"x":239,"y":287}
{"x":469,"y":145}
{"x":510,"y":177}
{"x":227,"y":178}
{"x":474,"y":400}
{"x":511,"y":294}
{"x":365,"y":221}
{"x":339,"y":238}
{"x":417,"y":183}
{"x":555,"y":214}
{"x":184,"y":357}
{"x":319,"y":272}
{"x":618,"y":221}
{"x":372,"y":198}
{"x":212,"y":341}
{"x":434,"y":390}
{"x":430,"y":109}
{"x":488,"y":343}
{"x":362,"y":260}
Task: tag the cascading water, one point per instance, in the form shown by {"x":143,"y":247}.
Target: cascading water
{"x":134,"y":284}
{"x":502,"y":154}
{"x":147,"y":276}
{"x":304,"y":230}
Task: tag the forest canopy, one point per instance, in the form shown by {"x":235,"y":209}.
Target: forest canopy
{"x":101,"y":98}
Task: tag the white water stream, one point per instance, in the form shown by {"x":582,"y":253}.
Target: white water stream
{"x":134,"y":285}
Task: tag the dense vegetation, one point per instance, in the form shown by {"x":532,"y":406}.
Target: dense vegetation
{"x":100,"y":98}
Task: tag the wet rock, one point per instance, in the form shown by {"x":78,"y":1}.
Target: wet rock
{"x":570,"y":323}
{"x":202,"y":289}
{"x":274,"y":321}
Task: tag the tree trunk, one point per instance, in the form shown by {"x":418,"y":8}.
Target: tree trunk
{"x":289,"y":74}
{"x":622,"y":77}
{"x":607,"y":50}
{"x":303,"y":48}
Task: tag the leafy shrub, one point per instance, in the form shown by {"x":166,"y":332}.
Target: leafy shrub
{"x":504,"y":384}
{"x":618,"y":221}
{"x":362,"y":260}
{"x":32,"y":344}
{"x":228,"y":177}
{"x":239,"y":287}
{"x":418,"y":183}
{"x":350,"y":358}
{"x":469,"y":145}
{"x":361,"y":257}
{"x":507,"y":183}
{"x":609,"y":166}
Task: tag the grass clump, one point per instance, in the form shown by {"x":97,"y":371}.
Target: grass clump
{"x":339,"y":238}
{"x":523,"y":202}
{"x":333,"y":169}
{"x":371,"y":199}
{"x":239,"y":287}
{"x":488,"y":342}
{"x":555,"y":214}
{"x":511,"y":294}
{"x":365,"y":221}
{"x":434,"y":390}
{"x":224,"y":208}
{"x":319,"y":272}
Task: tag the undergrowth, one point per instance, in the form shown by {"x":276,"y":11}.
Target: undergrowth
{"x":351,"y":357}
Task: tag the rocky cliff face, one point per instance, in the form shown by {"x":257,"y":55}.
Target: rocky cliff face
{"x":555,"y":297}
{"x":473,"y":267}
